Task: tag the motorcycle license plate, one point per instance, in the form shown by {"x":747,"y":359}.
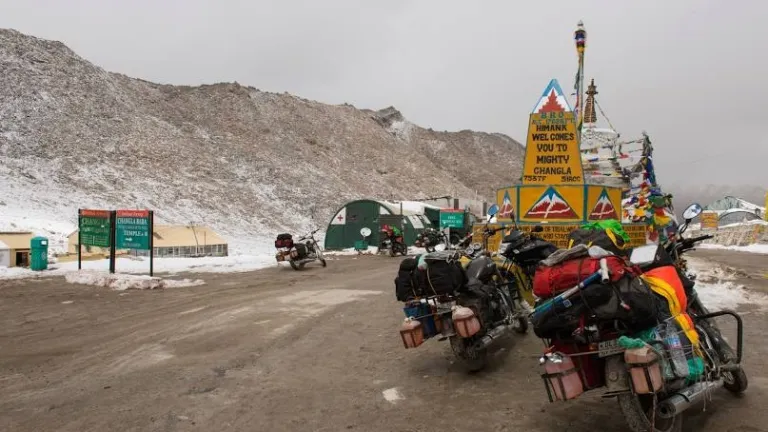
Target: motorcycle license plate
{"x":609,"y":347}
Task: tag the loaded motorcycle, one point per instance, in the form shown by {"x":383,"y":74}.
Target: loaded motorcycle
{"x":459,"y":296}
{"x":394,"y":243}
{"x":428,"y":239}
{"x":636,"y":329}
{"x":519,"y":253}
{"x":299,"y":253}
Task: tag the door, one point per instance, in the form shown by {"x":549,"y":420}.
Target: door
{"x":22,"y":259}
{"x":362,"y":214}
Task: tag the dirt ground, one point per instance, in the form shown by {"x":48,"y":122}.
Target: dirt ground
{"x":279,"y":350}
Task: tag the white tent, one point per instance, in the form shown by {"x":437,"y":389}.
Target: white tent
{"x":5,"y":255}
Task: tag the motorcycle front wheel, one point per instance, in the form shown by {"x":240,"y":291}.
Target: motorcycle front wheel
{"x":294,"y":265}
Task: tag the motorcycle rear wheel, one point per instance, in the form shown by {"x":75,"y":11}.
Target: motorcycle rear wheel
{"x":638,"y":412}
{"x":469,"y":358}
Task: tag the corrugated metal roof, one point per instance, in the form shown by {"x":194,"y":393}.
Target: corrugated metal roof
{"x":409,"y":207}
{"x":17,"y":240}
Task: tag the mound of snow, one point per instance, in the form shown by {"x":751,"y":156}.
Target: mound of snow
{"x":758,"y":248}
{"x":717,"y":289}
{"x":134,"y":265}
{"x":121,"y":282}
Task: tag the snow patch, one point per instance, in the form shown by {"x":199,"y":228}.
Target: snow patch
{"x":122,"y":282}
{"x":401,"y":129}
{"x":134,"y":265}
{"x":392,"y":395}
{"x":758,"y":248}
{"x":717,"y":288}
{"x":372,"y":250}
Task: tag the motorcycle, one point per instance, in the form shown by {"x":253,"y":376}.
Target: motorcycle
{"x":473,"y":317}
{"x":395,"y":244}
{"x":299,"y":253}
{"x":428,"y":239}
{"x":650,"y":375}
{"x":520,"y":253}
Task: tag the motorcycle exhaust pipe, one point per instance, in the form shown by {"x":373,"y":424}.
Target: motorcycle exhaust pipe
{"x":492,"y":336}
{"x":686,"y":398}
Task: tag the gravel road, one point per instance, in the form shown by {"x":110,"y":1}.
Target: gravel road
{"x":279,"y":350}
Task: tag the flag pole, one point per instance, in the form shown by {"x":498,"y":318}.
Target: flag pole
{"x":580,"y":37}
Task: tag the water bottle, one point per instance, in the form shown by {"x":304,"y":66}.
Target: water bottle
{"x":676,"y":351}
{"x":665,"y":366}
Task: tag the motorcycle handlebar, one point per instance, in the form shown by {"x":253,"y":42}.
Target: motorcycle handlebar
{"x":699,"y":238}
{"x":689,"y":243}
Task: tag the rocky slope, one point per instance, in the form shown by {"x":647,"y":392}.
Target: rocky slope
{"x":243,"y":161}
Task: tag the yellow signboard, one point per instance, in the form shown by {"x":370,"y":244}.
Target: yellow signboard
{"x":637,"y":234}
{"x":556,"y":234}
{"x":552,"y":150}
{"x":709,"y":220}
{"x":551,"y":203}
{"x":603,"y":203}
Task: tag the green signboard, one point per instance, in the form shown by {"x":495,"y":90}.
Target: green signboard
{"x":452,"y":219}
{"x":132,"y":229}
{"x":94,"y":226}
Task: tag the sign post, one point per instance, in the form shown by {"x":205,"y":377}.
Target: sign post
{"x":134,"y":231}
{"x":451,"y":218}
{"x":709,"y":220}
{"x":94,"y":228}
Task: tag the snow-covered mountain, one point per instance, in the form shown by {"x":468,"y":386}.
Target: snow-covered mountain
{"x":245,"y":162}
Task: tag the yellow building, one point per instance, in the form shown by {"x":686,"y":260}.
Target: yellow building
{"x":14,"y":249}
{"x":170,"y":241}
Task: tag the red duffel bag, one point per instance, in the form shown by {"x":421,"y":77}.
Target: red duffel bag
{"x":551,"y":281}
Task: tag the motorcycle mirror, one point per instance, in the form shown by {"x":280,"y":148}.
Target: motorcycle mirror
{"x":492,"y":211}
{"x":692,"y":211}
{"x":538,"y":228}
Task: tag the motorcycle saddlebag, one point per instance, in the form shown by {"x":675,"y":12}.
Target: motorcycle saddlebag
{"x":301,"y":249}
{"x":444,"y":275}
{"x":598,"y":237}
{"x":644,"y":308}
{"x":559,"y":323}
{"x":548,"y":281}
{"x":284,"y":240}
{"x":407,"y":286}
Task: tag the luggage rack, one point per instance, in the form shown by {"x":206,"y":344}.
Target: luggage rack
{"x":438,"y":301}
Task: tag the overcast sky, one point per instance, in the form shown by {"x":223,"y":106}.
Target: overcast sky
{"x":692,"y":73}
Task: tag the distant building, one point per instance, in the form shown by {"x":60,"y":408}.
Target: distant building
{"x":15,"y":248}
{"x":732,"y":210}
{"x":170,"y":241}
